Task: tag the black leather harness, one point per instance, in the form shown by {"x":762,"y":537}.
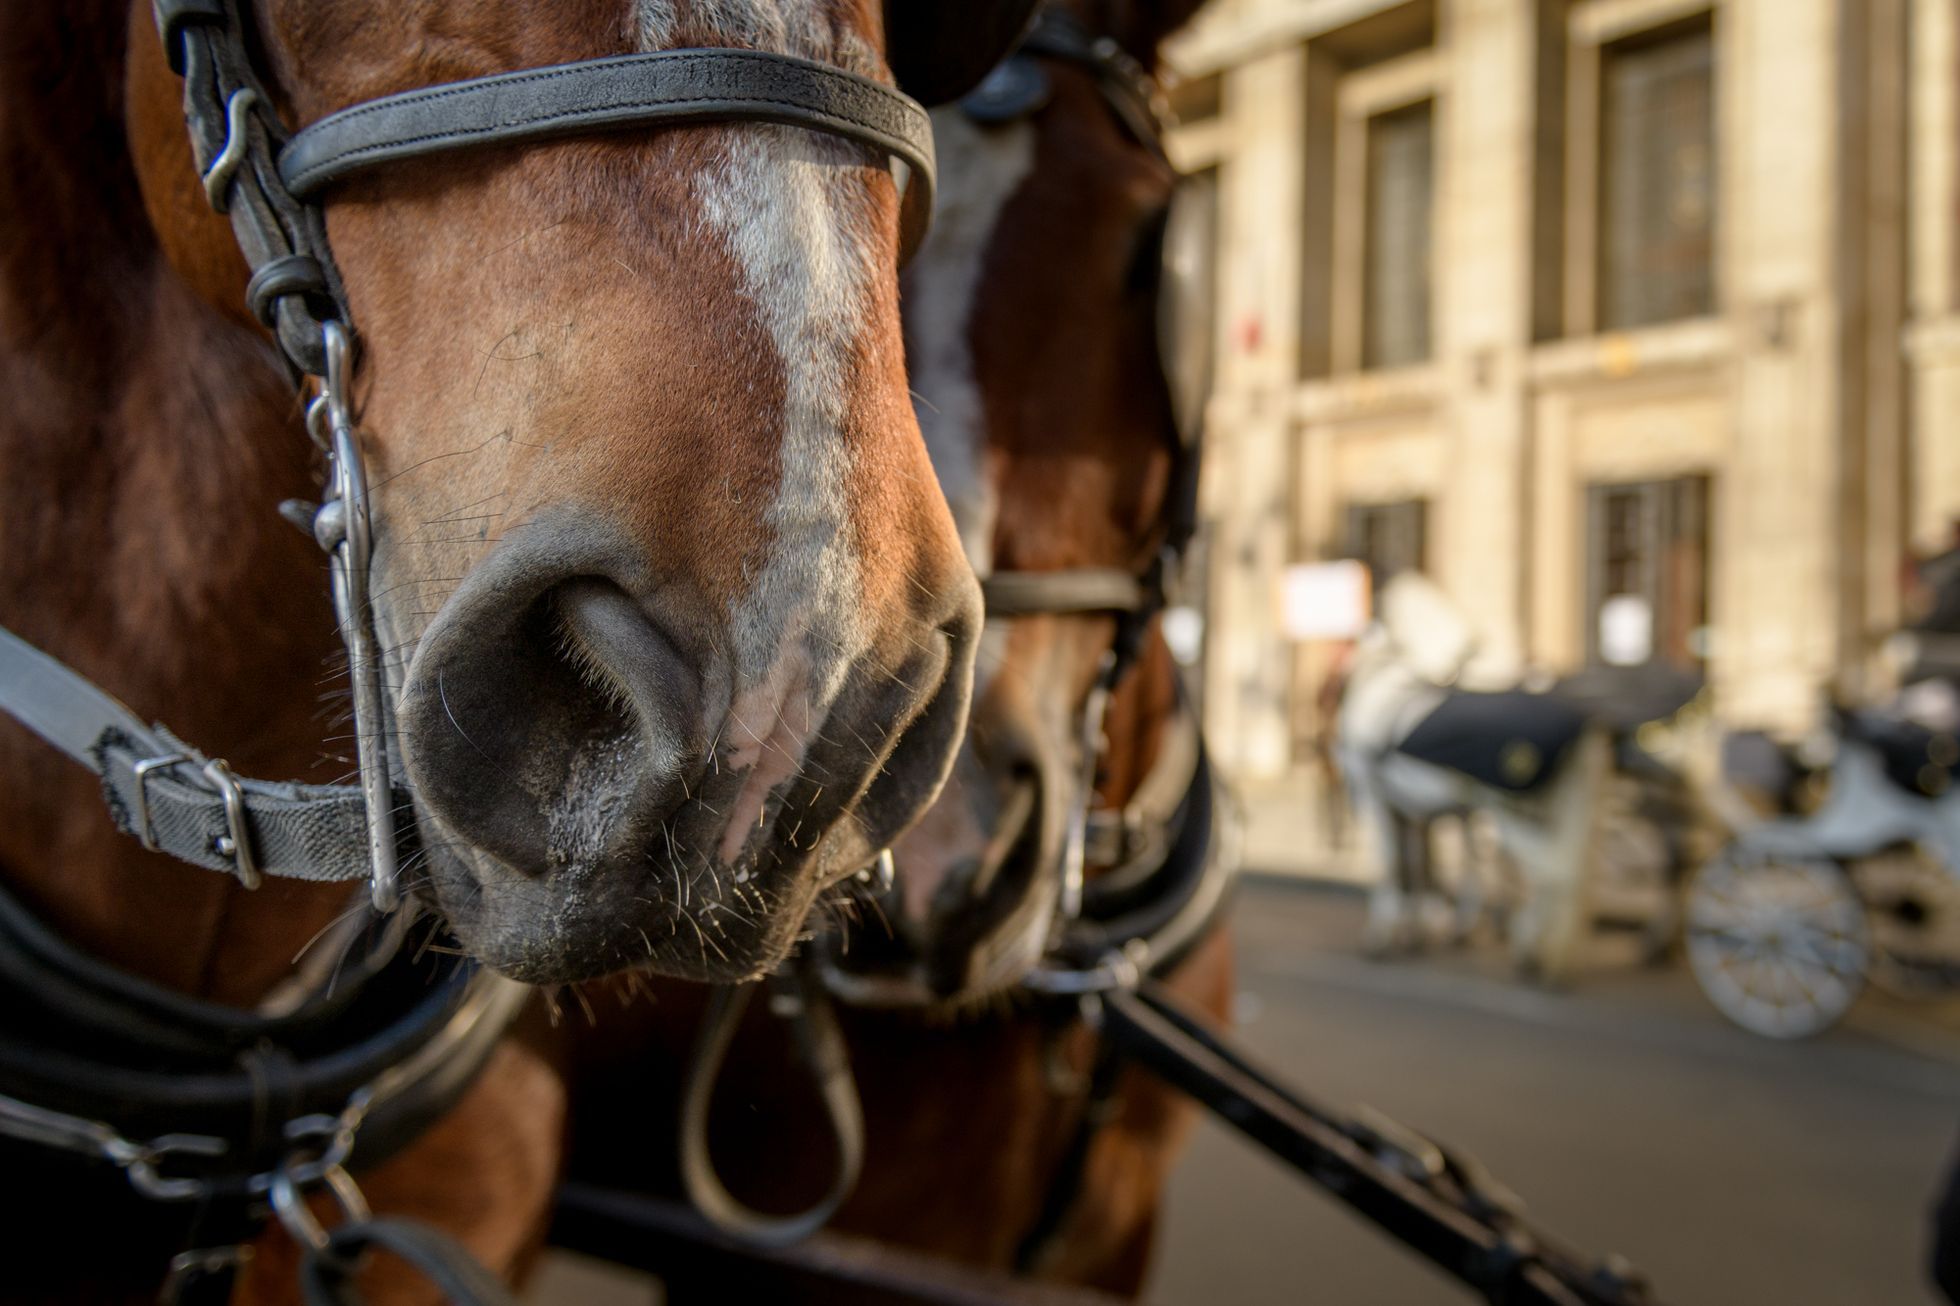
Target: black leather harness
{"x":217,"y":1112}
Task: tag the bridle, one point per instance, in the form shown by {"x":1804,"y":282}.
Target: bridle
{"x":371,"y":1095}
{"x":1111,"y":933}
{"x":173,"y":798}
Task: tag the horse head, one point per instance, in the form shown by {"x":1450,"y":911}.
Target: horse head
{"x":1059,"y":450}
{"x":677,"y":628}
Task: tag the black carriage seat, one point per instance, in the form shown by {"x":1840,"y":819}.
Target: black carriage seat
{"x":1509,"y":740}
{"x":1625,"y":698}
{"x":1918,"y":760}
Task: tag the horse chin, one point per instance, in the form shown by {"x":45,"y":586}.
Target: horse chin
{"x":724,"y":927}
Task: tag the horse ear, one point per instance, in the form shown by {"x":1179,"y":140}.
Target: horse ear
{"x":941,"y":49}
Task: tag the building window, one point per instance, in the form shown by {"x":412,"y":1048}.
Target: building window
{"x":1395,"y":312}
{"x":1367,"y":216}
{"x":1657,"y":184}
{"x":1647,"y":585}
{"x":1388,"y":537}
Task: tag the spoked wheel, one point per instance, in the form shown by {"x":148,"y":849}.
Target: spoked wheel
{"x":1780,"y":945}
{"x":1914,"y":903}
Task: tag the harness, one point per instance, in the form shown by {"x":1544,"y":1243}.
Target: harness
{"x":231,"y":1110}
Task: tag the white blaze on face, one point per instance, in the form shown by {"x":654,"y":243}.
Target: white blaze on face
{"x":792,"y":209}
{"x":980,"y":169}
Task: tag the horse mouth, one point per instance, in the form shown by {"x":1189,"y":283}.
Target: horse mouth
{"x":988,"y":928}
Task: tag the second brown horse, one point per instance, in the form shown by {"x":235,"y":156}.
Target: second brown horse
{"x":1033,"y":345}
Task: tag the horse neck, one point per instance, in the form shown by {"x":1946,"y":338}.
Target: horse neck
{"x":145,"y":443}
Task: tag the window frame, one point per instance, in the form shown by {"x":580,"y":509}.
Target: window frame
{"x":1591,"y":26}
{"x":1364,"y":94}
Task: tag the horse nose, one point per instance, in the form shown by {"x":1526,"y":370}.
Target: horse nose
{"x":553,"y":720}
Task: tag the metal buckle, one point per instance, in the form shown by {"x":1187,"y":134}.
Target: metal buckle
{"x":881,"y":874}
{"x":141,"y":771}
{"x":1075,"y":837}
{"x":217,"y":178}
{"x":236,"y":845}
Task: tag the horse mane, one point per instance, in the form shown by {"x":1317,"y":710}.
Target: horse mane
{"x":67,"y":187}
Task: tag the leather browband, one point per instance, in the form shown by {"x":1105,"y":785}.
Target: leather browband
{"x":666,"y":88}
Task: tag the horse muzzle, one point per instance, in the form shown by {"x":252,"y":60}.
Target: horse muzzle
{"x":573,"y":737}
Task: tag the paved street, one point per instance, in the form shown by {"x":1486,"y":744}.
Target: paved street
{"x":1731,"y":1169}
{"x":1735,"y":1171}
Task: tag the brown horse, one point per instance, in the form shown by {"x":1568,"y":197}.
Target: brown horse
{"x":1031,"y":331}
{"x":678,"y":626}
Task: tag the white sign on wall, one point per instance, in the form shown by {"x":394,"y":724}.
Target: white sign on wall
{"x":1325,"y":600}
{"x":1626,"y":630}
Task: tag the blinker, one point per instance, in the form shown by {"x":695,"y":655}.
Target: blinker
{"x":1015,"y":88}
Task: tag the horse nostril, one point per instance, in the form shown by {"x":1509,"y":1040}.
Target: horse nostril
{"x":551,"y":737}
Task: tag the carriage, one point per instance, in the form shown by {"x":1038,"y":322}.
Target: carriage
{"x":1790,"y":920}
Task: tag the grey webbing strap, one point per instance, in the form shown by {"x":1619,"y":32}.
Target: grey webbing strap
{"x":181,"y":806}
{"x":1082,"y":590}
{"x":667,"y":88}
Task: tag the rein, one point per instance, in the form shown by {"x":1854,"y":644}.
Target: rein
{"x":226,"y":1108}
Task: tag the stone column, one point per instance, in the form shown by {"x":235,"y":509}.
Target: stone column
{"x":1483,"y":307}
{"x":1777,"y":543}
{"x":1249,"y":474}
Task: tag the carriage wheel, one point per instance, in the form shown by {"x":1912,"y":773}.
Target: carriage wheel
{"x":1914,"y":904}
{"x":1780,"y":945}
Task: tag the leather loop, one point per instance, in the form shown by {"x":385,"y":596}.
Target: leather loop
{"x":290,"y":274}
{"x":820,"y":1046}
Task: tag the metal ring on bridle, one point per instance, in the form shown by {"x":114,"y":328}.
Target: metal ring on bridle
{"x":289,"y":1204}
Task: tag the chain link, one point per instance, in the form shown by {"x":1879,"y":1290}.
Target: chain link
{"x":321,"y":1146}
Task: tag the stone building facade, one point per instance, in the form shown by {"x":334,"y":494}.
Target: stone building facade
{"x":1587,"y":307}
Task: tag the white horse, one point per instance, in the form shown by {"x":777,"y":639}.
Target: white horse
{"x":1413,"y":748}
